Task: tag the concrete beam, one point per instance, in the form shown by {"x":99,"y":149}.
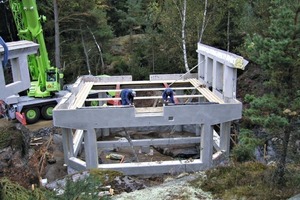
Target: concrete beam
{"x":85,"y":118}
{"x":148,"y":142}
{"x":227,"y":58}
{"x":148,"y":168}
{"x":172,"y":76}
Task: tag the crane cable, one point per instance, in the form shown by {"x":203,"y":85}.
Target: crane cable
{"x":186,"y":73}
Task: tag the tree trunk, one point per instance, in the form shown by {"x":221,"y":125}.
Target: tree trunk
{"x":186,"y":65}
{"x":85,"y":53}
{"x":56,"y":35}
{"x":99,"y":50}
{"x":280,"y":170}
{"x":203,"y":21}
{"x":228,"y":30}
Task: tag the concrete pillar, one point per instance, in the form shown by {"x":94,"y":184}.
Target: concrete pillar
{"x":102,"y":132}
{"x":206,"y":150}
{"x":178,"y":128}
{"x":102,"y":95}
{"x":201,"y":68}
{"x":214,"y":74}
{"x":90,"y":148}
{"x":198,"y":129}
{"x":145,"y":149}
{"x":105,"y":132}
{"x":225,"y":137}
{"x":67,"y":137}
{"x":209,"y":72}
{"x":229,"y":83}
{"x":98,"y":132}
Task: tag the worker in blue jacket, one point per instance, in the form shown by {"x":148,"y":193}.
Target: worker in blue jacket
{"x":127,"y":96}
{"x":168,"y":95}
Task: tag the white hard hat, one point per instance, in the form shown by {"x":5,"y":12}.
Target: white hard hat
{"x":133,"y":93}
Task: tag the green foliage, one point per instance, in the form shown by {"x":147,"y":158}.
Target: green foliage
{"x":86,"y":188}
{"x":244,"y":151}
{"x":276,"y":50}
{"x":120,"y":67}
{"x":249,"y":180}
{"x":133,"y":19}
{"x":105,"y":176}
{"x":5,"y":137}
{"x":83,"y":189}
{"x":266,"y":111}
{"x":10,"y":190}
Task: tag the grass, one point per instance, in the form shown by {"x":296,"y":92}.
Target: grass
{"x":250,"y":180}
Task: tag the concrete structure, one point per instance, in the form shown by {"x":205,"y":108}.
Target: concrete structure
{"x":205,"y":99}
{"x":17,"y":56}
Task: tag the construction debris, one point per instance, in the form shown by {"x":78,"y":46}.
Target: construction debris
{"x":115,"y":156}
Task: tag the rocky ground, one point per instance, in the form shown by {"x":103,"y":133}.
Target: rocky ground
{"x":38,"y":156}
{"x":43,"y":161}
{"x":173,"y":188}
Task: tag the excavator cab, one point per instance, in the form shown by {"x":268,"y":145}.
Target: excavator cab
{"x":53,"y":80}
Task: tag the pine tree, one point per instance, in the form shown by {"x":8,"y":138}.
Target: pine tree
{"x":277,"y":52}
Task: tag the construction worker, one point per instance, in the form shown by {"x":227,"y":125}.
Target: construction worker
{"x":168,"y":95}
{"x":127,"y":96}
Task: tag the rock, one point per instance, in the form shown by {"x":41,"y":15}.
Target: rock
{"x":127,"y":184}
{"x":169,"y":190}
{"x":51,"y":161}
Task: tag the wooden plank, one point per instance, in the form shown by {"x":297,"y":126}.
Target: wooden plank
{"x":139,"y":82}
{"x":145,"y":97}
{"x":82,"y":95}
{"x":145,"y":89}
{"x":210,"y":96}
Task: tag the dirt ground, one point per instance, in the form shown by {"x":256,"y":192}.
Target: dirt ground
{"x":42,"y":159}
{"x":46,"y":159}
{"x":39,"y":125}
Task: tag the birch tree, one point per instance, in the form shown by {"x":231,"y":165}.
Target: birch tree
{"x":203,"y":21}
{"x":182,"y":14}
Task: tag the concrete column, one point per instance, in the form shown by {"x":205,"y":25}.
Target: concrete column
{"x":2,"y":77}
{"x":201,"y":67}
{"x":214,"y":74}
{"x":102,"y":95}
{"x":67,"y":137}
{"x":229,"y":83}
{"x":90,"y":148}
{"x":98,"y":132}
{"x":209,"y":72}
{"x":102,"y":132}
{"x":105,"y":132}
{"x":206,"y":150}
{"x":178,"y":128}
{"x":225,"y":137}
{"x":198,"y":129}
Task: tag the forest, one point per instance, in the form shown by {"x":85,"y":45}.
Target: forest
{"x":138,"y":38}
